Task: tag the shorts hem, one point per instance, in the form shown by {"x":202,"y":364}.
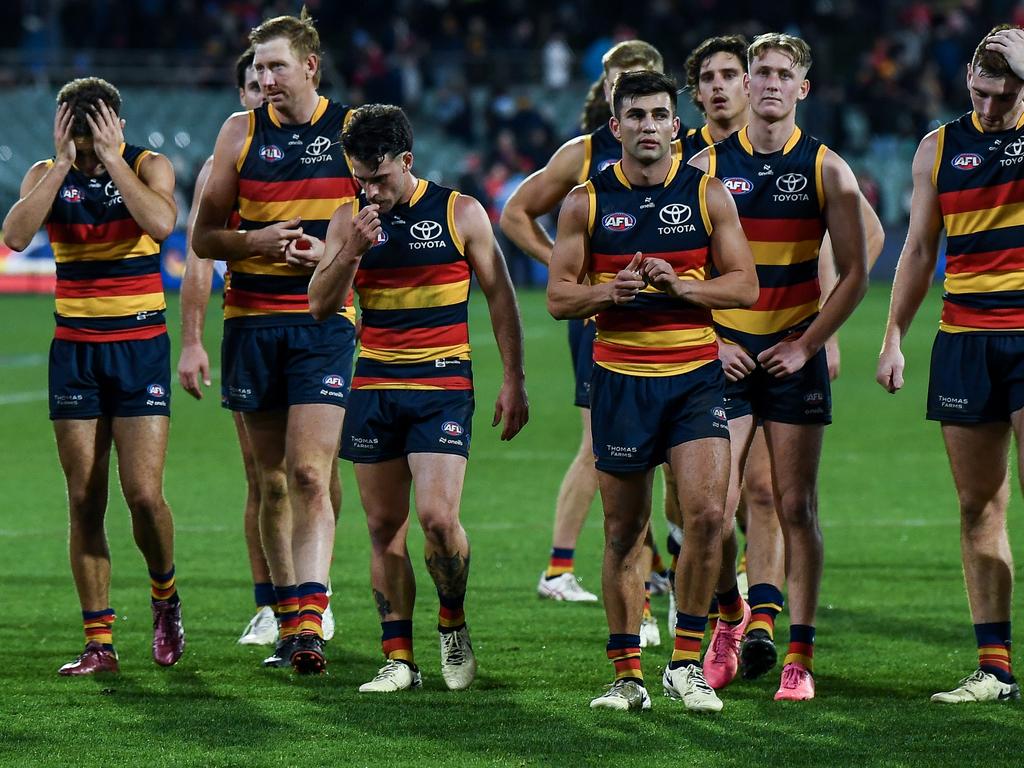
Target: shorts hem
{"x":967,"y":419}
{"x":824,"y":421}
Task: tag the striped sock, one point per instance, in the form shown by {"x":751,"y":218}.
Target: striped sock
{"x":713,"y":614}
{"x":624,"y":651}
{"x":689,"y":636}
{"x":730,"y":605}
{"x":765,"y":604}
{"x":560,"y":562}
{"x":801,"y":646}
{"x":396,"y":641}
{"x":450,"y":616}
{"x":99,"y":627}
{"x":263,"y":593}
{"x":162,"y":587}
{"x":287,"y":610}
{"x":312,"y":604}
{"x":994,"y":649}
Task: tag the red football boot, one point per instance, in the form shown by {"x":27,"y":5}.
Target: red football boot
{"x":168,"y":634}
{"x":95,"y":658}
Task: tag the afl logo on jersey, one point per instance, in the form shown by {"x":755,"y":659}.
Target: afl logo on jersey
{"x":382,"y":237}
{"x":71,"y":194}
{"x":966,"y":161}
{"x":605,"y":164}
{"x":271,"y":153}
{"x":452,"y":428}
{"x":738,"y":185}
{"x":618,"y":222}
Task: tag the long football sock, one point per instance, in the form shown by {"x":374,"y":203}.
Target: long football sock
{"x":263,"y":594}
{"x":99,"y":627}
{"x":287,"y":610}
{"x":561,"y":561}
{"x":162,"y":586}
{"x":396,"y":641}
{"x":451,"y":616}
{"x":730,"y":605}
{"x":801,"y":646}
{"x":765,"y":604}
{"x":312,"y":604}
{"x":624,"y":652}
{"x":689,"y":637}
{"x":994,"y":649}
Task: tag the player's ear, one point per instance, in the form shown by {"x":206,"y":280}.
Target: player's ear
{"x":613,"y":125}
{"x":407,"y":161}
{"x":121,"y":121}
{"x":675,"y":126}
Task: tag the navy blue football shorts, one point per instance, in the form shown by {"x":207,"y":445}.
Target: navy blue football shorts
{"x":88,"y":380}
{"x":268,"y":368}
{"x":385,"y":424}
{"x":581,"y":348}
{"x":637,"y":419}
{"x":976,"y":377}
{"x":804,"y":397}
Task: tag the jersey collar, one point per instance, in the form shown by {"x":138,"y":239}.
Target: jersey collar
{"x":790,"y":143}
{"x":321,"y":107}
{"x":977,"y":123}
{"x":672,"y":171}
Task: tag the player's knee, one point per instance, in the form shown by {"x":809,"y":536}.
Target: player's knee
{"x":799,"y":512}
{"x":440,"y":527}
{"x":144,"y":502}
{"x":760,"y":498}
{"x":383,"y":530}
{"x":704,"y":523}
{"x":273,"y":489}
{"x":307,"y":479}
{"x":624,"y":533}
{"x":980,"y":510}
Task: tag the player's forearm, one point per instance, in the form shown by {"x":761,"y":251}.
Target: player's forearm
{"x":732,"y":290}
{"x":845,"y":296}
{"x":508,"y":331}
{"x":329,"y":286}
{"x":527,"y":233}
{"x":909,"y":289}
{"x":153,"y":212}
{"x":195,"y":296}
{"x":220,"y":244}
{"x":28,"y":215}
{"x":569,"y":301}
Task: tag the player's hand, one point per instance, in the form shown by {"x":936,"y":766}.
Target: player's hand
{"x":512,"y":406}
{"x":193,"y":365}
{"x":785,"y":358}
{"x":661,"y":275}
{"x":63,"y":143}
{"x":833,"y":357}
{"x":890,"y":369}
{"x":1010,"y":43}
{"x":271,"y":241}
{"x":107,"y":131}
{"x":736,"y":363}
{"x":365,"y":229}
{"x":628,"y":282}
{"x":306,"y":251}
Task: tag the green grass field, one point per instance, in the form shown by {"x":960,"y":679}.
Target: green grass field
{"x":893,"y":627}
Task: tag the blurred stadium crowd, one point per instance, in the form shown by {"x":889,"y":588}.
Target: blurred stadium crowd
{"x":493,"y":88}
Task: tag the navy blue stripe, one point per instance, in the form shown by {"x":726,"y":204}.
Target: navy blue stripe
{"x":152,"y":317}
{"x":95,"y":270}
{"x":779,"y":276}
{"x":375,"y":369}
{"x":428,"y":317}
{"x":990,"y":240}
{"x":278,"y":284}
{"x":990,"y":300}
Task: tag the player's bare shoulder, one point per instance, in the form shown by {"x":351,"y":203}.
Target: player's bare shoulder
{"x":702,"y":160}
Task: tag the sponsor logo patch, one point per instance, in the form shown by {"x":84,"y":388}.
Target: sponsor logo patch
{"x":618,"y":222}
{"x":334,"y":381}
{"x":737,"y":185}
{"x":155,"y":390}
{"x":452,"y":429}
{"x":71,"y":194}
{"x":966,"y":161}
{"x":271,"y":153}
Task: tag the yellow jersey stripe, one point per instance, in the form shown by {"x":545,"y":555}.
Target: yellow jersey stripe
{"x":283,"y":210}
{"x":414,"y":298}
{"x":763,"y":322}
{"x":456,"y":238}
{"x":110,"y":306}
{"x":248,"y":141}
{"x":423,"y":355}
{"x":784,"y":254}
{"x":984,"y":282}
{"x":645,"y":339}
{"x":119,"y":249}
{"x":985,"y":220}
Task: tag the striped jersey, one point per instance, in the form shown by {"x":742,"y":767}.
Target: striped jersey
{"x":601,"y":149}
{"x":413,"y":288}
{"x":655,"y":334}
{"x":780,"y":199}
{"x":979,"y":178}
{"x":108,"y":269}
{"x":285,"y":172}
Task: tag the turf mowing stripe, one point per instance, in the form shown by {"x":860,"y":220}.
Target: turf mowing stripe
{"x":17,"y":398}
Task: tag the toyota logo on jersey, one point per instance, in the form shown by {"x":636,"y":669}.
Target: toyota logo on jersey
{"x":675,"y":213}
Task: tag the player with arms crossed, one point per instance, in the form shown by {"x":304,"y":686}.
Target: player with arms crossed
{"x":281,"y":167}
{"x":646,"y":231}
{"x":969,"y":181}
{"x":410,"y":247}
{"x":106,"y":206}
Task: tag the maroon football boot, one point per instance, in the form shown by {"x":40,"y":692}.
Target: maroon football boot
{"x":95,"y":658}
{"x":168,"y":634}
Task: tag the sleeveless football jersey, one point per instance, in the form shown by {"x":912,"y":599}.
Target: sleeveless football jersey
{"x":694,"y":141}
{"x":655,"y":334}
{"x":413,"y":288}
{"x":601,"y":149}
{"x":780,"y":199}
{"x":108,"y":269}
{"x":979,"y":178}
{"x":284,"y":172}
